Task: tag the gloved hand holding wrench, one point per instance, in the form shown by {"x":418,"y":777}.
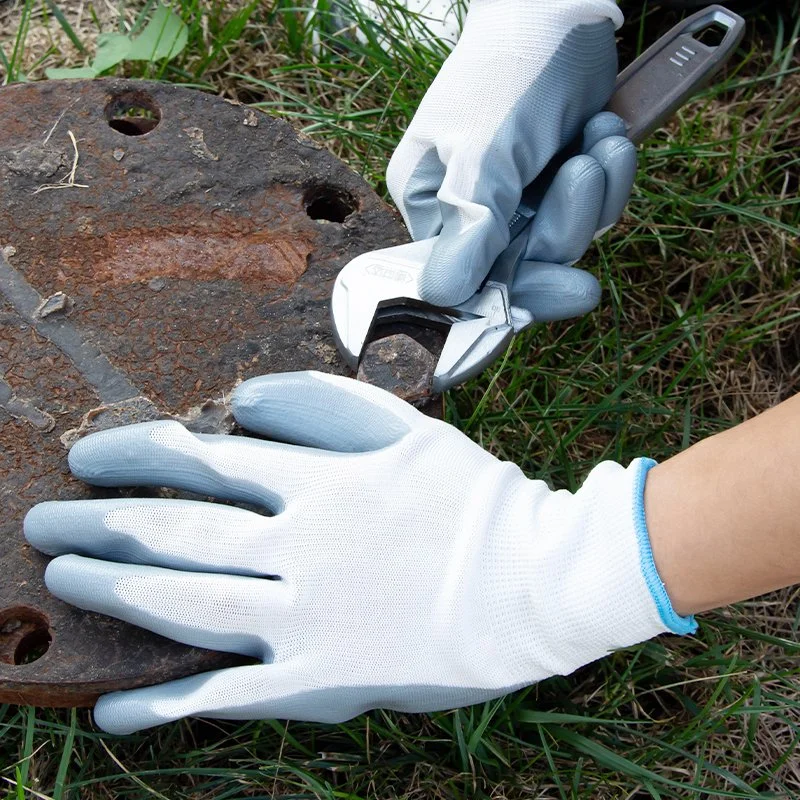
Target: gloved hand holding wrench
{"x":573,"y":198}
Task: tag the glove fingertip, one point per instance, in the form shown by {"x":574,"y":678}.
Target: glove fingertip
{"x":617,"y":156}
{"x":458,"y":264}
{"x":600,"y":127}
{"x":79,"y":456}
{"x":615,"y":151}
{"x":37,"y":523}
{"x":440,"y":287}
{"x":46,"y":526}
{"x":64,"y":577}
{"x":553,"y":292}
{"x":249,"y":396}
{"x":581,"y":175}
{"x":115,"y":714}
{"x":111,"y":457}
{"x":323,"y":411}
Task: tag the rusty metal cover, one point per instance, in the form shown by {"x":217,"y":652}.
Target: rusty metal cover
{"x":159,"y":245}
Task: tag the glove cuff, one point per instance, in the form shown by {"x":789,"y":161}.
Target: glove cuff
{"x":628,"y":598}
{"x":594,"y":587}
{"x":672,"y":621}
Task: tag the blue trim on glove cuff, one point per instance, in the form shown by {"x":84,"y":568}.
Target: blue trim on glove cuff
{"x":675,"y":622}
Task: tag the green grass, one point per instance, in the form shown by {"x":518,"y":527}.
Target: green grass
{"x":699,"y":328}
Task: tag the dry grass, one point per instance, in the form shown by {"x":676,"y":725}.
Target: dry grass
{"x":46,"y":42}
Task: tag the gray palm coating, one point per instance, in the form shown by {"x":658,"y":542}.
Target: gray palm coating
{"x":126,"y":712}
{"x":569,"y":213}
{"x":145,"y":462}
{"x":471,"y":252}
{"x":103,"y":529}
{"x":355,"y":427}
{"x":587,"y":195}
{"x":97,"y":585}
{"x":553,"y":292}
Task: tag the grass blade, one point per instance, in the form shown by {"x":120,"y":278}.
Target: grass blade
{"x":66,"y":758}
{"x":52,"y":5}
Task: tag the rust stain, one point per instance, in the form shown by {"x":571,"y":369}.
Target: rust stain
{"x":269,"y":260}
{"x":186,"y":275}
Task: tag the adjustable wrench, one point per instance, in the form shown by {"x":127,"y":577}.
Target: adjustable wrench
{"x":381,"y":287}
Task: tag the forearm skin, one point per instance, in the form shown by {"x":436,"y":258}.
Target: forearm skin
{"x":724,"y":515}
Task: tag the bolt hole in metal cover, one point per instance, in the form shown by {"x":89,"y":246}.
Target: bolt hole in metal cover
{"x":24,"y":635}
{"x":157,"y":247}
{"x":133,"y":113}
{"x":329,"y":204}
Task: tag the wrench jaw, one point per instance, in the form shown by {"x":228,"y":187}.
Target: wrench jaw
{"x":379,"y":278}
{"x":352,"y":313}
{"x":470,"y":347}
{"x":521,"y":319}
{"x":480,"y":334}
{"x":344,"y":336}
{"x":383,"y":286}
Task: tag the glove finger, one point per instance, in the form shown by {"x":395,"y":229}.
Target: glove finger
{"x":568,"y":215}
{"x":164,"y":453}
{"x":617,"y":156}
{"x":271,"y":691}
{"x":219,"y":612}
{"x":177,"y":534}
{"x":600,"y":127}
{"x":325,"y":411}
{"x":413,"y":178}
{"x":553,"y":292}
{"x":474,"y":232}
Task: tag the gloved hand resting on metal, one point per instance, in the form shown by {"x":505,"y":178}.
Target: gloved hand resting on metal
{"x":404,"y":566}
{"x":520,"y":84}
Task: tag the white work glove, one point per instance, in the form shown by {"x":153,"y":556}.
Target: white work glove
{"x":404,"y":568}
{"x":524,"y":78}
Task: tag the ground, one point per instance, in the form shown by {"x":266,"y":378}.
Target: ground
{"x":699,"y":328}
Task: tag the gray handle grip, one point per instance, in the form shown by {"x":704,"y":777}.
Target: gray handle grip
{"x":651,"y":89}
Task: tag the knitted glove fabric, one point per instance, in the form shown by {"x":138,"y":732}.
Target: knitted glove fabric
{"x":521,"y":83}
{"x":403,"y":566}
